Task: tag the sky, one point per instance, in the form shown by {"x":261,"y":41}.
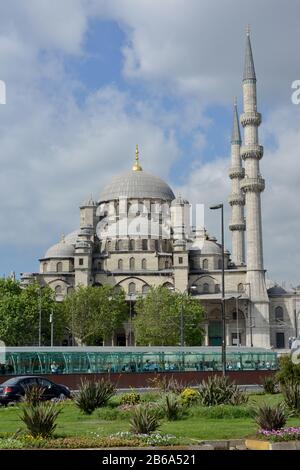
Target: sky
{"x":86,"y":80}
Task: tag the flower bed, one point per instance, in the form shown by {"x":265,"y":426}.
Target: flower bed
{"x":279,"y":435}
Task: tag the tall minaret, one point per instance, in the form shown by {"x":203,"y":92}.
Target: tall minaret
{"x":237,"y":199}
{"x":252,"y":185}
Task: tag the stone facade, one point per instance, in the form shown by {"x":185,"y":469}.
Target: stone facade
{"x":139,"y":235}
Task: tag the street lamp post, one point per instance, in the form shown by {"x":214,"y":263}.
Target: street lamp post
{"x":52,"y":327}
{"x":221,"y":206}
{"x":296,"y":315}
{"x":130,"y":319}
{"x":40,"y":316}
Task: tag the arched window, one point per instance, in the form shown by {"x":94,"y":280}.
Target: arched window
{"x":217,"y":288}
{"x":279,"y":314}
{"x":132,"y":263}
{"x":59,"y":267}
{"x":206,"y":288}
{"x":58,"y":290}
{"x":145,"y":244}
{"x":108,"y":245}
{"x":45,"y":267}
{"x":144,"y":264}
{"x":118,"y":245}
{"x":205,"y":264}
{"x":132,"y":245}
{"x":145,"y":289}
{"x":131,"y":288}
{"x":240,"y":287}
{"x":141,"y":207}
{"x":120,"y":264}
{"x":219,"y":264}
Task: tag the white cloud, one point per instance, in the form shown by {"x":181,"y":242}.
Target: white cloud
{"x":55,"y":151}
{"x":196,"y":48}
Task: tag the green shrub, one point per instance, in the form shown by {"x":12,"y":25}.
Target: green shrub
{"x":270,"y":385}
{"x":132,"y":398}
{"x":92,"y":395}
{"x":171,"y":407}
{"x":189,"y":396}
{"x":218,"y":390}
{"x":270,"y":417}
{"x":144,"y":420}
{"x":40,"y":419}
{"x":33,"y":394}
{"x":288,"y":371}
{"x":291,"y":395}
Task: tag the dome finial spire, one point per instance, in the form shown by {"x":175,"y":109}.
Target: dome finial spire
{"x":137,"y":166}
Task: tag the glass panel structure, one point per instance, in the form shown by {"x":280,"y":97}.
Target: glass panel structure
{"x":76,"y":360}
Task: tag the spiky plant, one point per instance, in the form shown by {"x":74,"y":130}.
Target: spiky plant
{"x":291,"y":395}
{"x":143,"y":421}
{"x":92,"y":395}
{"x":40,"y":419}
{"x":270,"y":418}
{"x":218,"y":390}
{"x":33,"y":394}
{"x":171,"y":407}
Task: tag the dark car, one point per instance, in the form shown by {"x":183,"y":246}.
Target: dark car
{"x":14,"y":389}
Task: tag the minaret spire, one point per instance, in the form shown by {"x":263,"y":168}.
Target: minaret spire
{"x":249,"y":70}
{"x":137,"y":166}
{"x":236,"y":199}
{"x":236,"y":134}
{"x":253,"y":185}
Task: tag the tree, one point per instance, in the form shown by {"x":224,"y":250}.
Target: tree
{"x":95,"y":313}
{"x":19,"y":314}
{"x":158,"y":318}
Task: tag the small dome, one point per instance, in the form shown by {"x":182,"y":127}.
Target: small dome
{"x":179,"y":201}
{"x":210,"y":247}
{"x":137,"y":185}
{"x":60,"y":250}
{"x":277,"y":290}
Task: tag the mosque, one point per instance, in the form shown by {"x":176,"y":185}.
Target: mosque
{"x":138,"y":234}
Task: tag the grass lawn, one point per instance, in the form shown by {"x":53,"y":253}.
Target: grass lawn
{"x":198,"y":423}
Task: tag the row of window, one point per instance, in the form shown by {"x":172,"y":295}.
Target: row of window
{"x":134,"y":245}
{"x":58,"y":267}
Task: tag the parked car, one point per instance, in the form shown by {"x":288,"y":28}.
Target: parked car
{"x":14,"y":389}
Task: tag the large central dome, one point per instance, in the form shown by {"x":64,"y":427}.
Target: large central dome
{"x":137,"y":185}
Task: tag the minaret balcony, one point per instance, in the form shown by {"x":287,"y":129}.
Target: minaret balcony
{"x":236,"y":172}
{"x":236,"y":199}
{"x":256,"y":185}
{"x":237,"y":226}
{"x":252,"y":151}
{"x":252,"y":118}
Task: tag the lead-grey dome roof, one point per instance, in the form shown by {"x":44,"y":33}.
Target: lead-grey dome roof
{"x":277,"y":290}
{"x":137,"y":185}
{"x":60,"y":250}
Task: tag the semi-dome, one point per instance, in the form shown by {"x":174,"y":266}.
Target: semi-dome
{"x":60,"y":250}
{"x":137,"y":185}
